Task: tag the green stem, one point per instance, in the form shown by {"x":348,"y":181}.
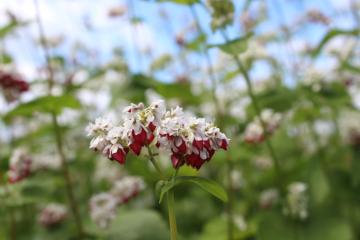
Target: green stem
{"x":154,"y":163}
{"x":256,"y":106}
{"x":172,"y":217}
{"x":169,"y":195}
{"x":230,"y":204}
{"x":58,"y":137}
{"x":67,"y":178}
{"x":12,"y":225}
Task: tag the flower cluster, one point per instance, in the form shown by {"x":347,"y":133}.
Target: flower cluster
{"x":12,"y":85}
{"x":127,"y":188}
{"x":52,"y":215}
{"x":190,"y":140}
{"x":20,"y":166}
{"x":103,"y":206}
{"x":254,"y":132}
{"x":103,"y":209}
{"x":297,"y":201}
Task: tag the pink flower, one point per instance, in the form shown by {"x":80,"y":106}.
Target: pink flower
{"x":127,"y":188}
{"x":12,"y":85}
{"x":20,"y":166}
{"x":191,"y":141}
{"x":254,"y":132}
{"x":53,"y":214}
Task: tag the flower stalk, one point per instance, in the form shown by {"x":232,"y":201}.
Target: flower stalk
{"x":169,"y":197}
{"x":256,"y":106}
{"x":172,"y":217}
{"x":58,"y":136}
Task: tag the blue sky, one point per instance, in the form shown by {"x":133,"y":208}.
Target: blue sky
{"x":66,"y":17}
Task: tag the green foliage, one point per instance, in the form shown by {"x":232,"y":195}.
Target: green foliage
{"x":46,"y":104}
{"x":332,"y":33}
{"x":235,"y":46}
{"x":8,"y":28}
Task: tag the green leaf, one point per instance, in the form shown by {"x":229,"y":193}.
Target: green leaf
{"x":331,"y":34}
{"x":8,"y":28}
{"x":43,"y":104}
{"x":161,"y":62}
{"x":197,"y":43}
{"x":346,"y":65}
{"x":234,"y":47}
{"x":210,"y":186}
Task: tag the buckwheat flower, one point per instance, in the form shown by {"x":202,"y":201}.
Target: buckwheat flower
{"x":109,"y":139}
{"x":20,"y":166}
{"x":12,"y":85}
{"x":254,"y":132}
{"x":140,"y":124}
{"x":297,"y":201}
{"x":191,"y":140}
{"x":237,"y":180}
{"x":117,"y":140}
{"x":240,"y":222}
{"x":271,"y":119}
{"x":52,"y":215}
{"x":268,"y":198}
{"x":98,"y":130}
{"x":127,"y":188}
{"x":103,"y":209}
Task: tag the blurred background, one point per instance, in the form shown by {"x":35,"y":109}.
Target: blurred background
{"x":64,"y":63}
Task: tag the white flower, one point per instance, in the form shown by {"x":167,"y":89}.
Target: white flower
{"x":103,"y":209}
{"x":193,"y":140}
{"x":100,"y":127}
{"x":268,"y":197}
{"x":240,"y":222}
{"x":99,"y":130}
{"x":127,"y":188}
{"x":297,"y":201}
{"x":46,"y":162}
{"x":254,"y":132}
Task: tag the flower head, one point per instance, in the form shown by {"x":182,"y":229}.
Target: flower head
{"x":255,"y":133}
{"x":12,"y":85}
{"x":20,"y":166}
{"x":52,"y":214}
{"x":190,"y":140}
{"x":297,"y":201}
{"x":103,"y":209}
{"x":127,"y":188}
